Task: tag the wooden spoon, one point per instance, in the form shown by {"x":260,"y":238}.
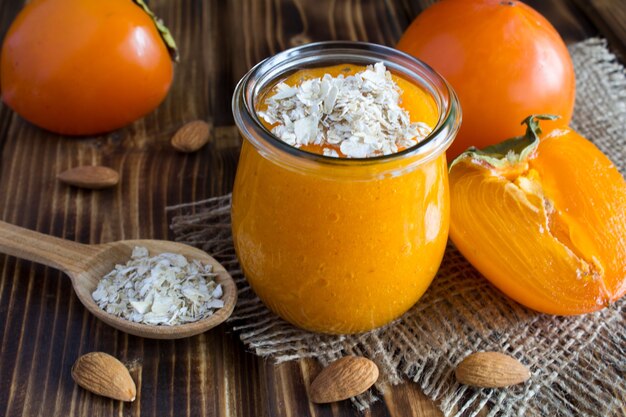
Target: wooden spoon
{"x":87,"y":264}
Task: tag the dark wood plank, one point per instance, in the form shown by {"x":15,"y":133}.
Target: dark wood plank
{"x":572,"y":24}
{"x":609,"y":17}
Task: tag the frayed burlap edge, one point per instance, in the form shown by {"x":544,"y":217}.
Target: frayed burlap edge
{"x":578,"y":363}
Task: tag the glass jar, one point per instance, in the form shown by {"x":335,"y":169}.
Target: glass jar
{"x":338,"y":245}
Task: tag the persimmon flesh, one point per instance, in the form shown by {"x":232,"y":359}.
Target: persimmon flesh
{"x":544,"y":220}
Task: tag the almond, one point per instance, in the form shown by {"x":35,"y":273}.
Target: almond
{"x":92,"y":177}
{"x":342,"y":379}
{"x":192,"y":136}
{"x":104,"y":375}
{"x":491,"y":370}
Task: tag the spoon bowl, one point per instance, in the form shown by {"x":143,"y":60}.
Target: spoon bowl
{"x":87,"y":264}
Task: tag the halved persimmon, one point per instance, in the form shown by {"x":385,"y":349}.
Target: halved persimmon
{"x":543,"y":219}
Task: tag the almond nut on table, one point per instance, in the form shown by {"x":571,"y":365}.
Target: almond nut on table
{"x":342,"y":379}
{"x":104,"y":375}
{"x":192,"y":136}
{"x":91,"y":177}
{"x":491,"y":370}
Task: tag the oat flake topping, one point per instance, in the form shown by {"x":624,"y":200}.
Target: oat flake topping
{"x":360,"y":114}
{"x":165,"y":289}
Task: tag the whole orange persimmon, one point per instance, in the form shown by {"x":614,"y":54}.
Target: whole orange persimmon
{"x":82,"y":67}
{"x":504,"y":60}
{"x":543,"y":217}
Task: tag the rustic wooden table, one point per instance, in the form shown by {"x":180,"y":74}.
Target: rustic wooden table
{"x":44,"y":328}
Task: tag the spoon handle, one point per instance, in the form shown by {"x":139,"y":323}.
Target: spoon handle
{"x":52,"y":251}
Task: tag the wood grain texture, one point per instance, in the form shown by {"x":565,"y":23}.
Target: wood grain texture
{"x":609,"y":16}
{"x":43,"y":326}
{"x":87,"y":264}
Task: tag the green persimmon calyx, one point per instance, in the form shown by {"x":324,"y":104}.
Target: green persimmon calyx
{"x":165,"y":33}
{"x":511,"y":151}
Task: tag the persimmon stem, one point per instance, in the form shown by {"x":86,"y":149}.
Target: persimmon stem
{"x":533,"y":130}
{"x":510,"y":151}
{"x":165,"y":33}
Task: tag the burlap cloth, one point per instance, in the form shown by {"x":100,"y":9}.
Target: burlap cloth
{"x":578,"y":364}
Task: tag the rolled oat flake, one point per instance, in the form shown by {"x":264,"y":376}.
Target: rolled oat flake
{"x":359,"y":114}
{"x":165,"y":289}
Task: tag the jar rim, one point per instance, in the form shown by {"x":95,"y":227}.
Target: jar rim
{"x":316,"y":54}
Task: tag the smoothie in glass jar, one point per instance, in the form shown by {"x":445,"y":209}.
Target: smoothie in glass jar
{"x":340,"y":205}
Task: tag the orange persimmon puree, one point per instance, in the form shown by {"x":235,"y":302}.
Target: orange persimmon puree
{"x":338,"y":252}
